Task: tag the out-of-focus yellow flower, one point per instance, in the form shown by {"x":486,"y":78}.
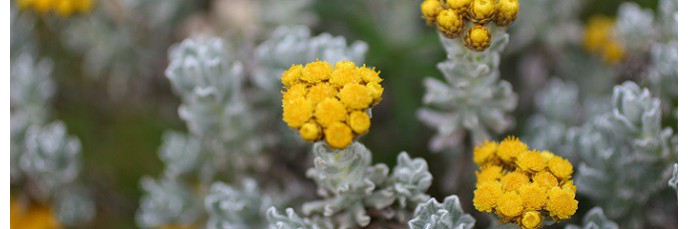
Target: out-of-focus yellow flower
{"x":531,"y":161}
{"x":509,"y":205}
{"x":63,"y":8}
{"x":510,"y":148}
{"x":507,"y":12}
{"x":316,"y":71}
{"x":484,"y":152}
{"x":561,"y":203}
{"x":355,"y":96}
{"x":338,"y":135}
{"x":34,"y":217}
{"x":526,"y":181}
{"x":460,"y":6}
{"x":561,"y":168}
{"x":530,"y":220}
{"x":359,"y":122}
{"x":450,"y":23}
{"x":533,"y":196}
{"x":318,"y":96}
{"x":487,"y":195}
{"x":329,"y":111}
{"x":430,"y":10}
{"x":599,"y":38}
{"x":482,"y":11}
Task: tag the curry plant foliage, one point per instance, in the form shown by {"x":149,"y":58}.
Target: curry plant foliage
{"x":472,"y":99}
{"x":595,"y":218}
{"x":445,"y":215}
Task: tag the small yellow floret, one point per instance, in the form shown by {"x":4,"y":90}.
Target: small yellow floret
{"x":509,"y":205}
{"x":561,"y":168}
{"x":489,"y":173}
{"x":478,"y":38}
{"x":510,"y":148}
{"x":507,"y":12}
{"x":316,"y":71}
{"x":375,"y":91}
{"x":345,"y":72}
{"x":321,"y":91}
{"x":450,"y":23}
{"x":310,"y":132}
{"x":359,"y":122}
{"x":484,"y":152}
{"x":369,"y":75}
{"x":514,"y":180}
{"x":569,"y":186}
{"x":482,"y":11}
{"x":430,"y":9}
{"x":545,"y":179}
{"x":534,"y":196}
{"x":530,"y":220}
{"x":292,"y":76}
{"x":294,"y":92}
{"x":460,"y":6}
{"x":338,"y":135}
{"x":561,"y":204}
{"x":486,"y":196}
{"x":531,"y":161}
{"x":329,"y":111}
{"x":355,"y":96}
{"x":297,"y":112}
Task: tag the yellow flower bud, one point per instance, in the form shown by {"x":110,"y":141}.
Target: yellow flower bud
{"x":310,"y":132}
{"x":329,"y":111}
{"x":510,"y":148}
{"x":316,"y":71}
{"x":507,"y":12}
{"x":430,"y":10}
{"x":450,"y":23}
{"x":460,"y":6}
{"x":369,"y":75}
{"x":359,"y":122}
{"x":530,"y":220}
{"x":478,"y":38}
{"x":375,"y":91}
{"x":338,"y":135}
{"x":355,"y":96}
{"x":482,"y":11}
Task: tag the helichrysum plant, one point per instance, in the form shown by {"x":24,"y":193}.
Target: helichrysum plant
{"x":469,"y":18}
{"x":330,"y":102}
{"x":521,"y":185}
{"x":63,"y":8}
{"x":445,"y":215}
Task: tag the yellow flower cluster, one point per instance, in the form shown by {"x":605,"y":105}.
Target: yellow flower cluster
{"x":322,"y":101}
{"x":34,"y":217}
{"x":599,"y":38}
{"x":521,"y":185}
{"x":64,"y":8}
{"x":450,"y":17}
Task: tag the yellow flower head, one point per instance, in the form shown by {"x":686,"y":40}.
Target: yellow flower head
{"x":292,"y":76}
{"x":310,"y":131}
{"x":329,"y":111}
{"x":486,"y":196}
{"x":534,"y":197}
{"x":482,"y":11}
{"x":65,"y":8}
{"x":485,"y":152}
{"x":345,"y":72}
{"x":478,"y":38}
{"x":430,"y":10}
{"x":561,"y":168}
{"x":321,"y":91}
{"x":531,"y":161}
{"x":34,"y":216}
{"x":569,"y":186}
{"x":297,"y":112}
{"x":355,"y":96}
{"x":338,"y":135}
{"x":510,"y":148}
{"x":316,"y":71}
{"x":530,"y":220}
{"x":561,"y":204}
{"x":460,"y":6}
{"x":613,"y":52}
{"x":318,"y":96}
{"x":450,"y":23}
{"x":359,"y":122}
{"x":599,"y":38}
{"x":507,"y":12}
{"x":509,"y":205}
{"x":545,"y":179}
{"x":489,"y":173}
{"x":514,"y":180}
